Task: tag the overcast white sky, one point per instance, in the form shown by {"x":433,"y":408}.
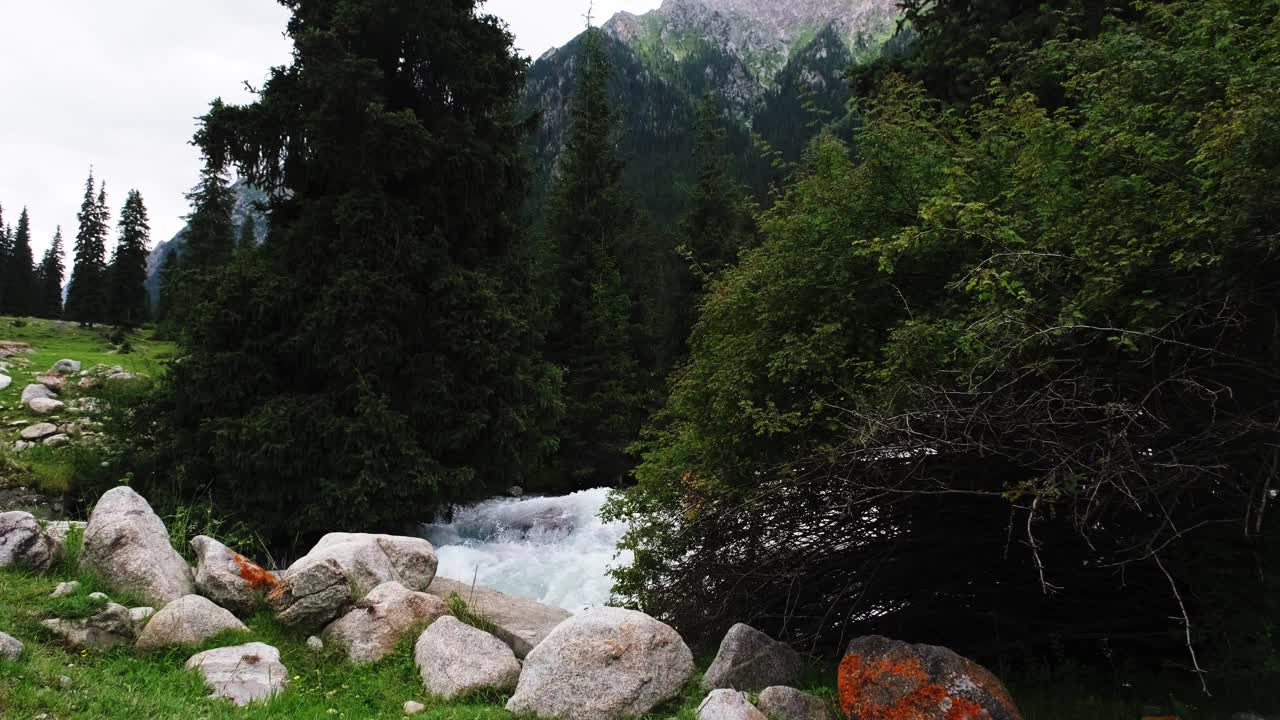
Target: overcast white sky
{"x":117,"y":84}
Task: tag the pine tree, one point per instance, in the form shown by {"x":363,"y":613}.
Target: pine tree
{"x":588,"y":217}
{"x":129,"y":265}
{"x":21,"y":270}
{"x":211,"y":233}
{"x":170,"y":289}
{"x":87,"y":294}
{"x":6,"y":253}
{"x":49,"y":279}
{"x":248,"y":235}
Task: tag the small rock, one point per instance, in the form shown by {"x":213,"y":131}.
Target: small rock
{"x":39,"y":431}
{"x":55,"y":383}
{"x":726,"y":704}
{"x":65,"y":589}
{"x":242,"y":674}
{"x":112,"y":627}
{"x":140,"y":616}
{"x":315,"y":644}
{"x":229,"y":578}
{"x":64,"y":682}
{"x":24,"y":543}
{"x":127,"y":545}
{"x":35,"y":391}
{"x":10,"y":647}
{"x":750,"y":660}
{"x":413,"y":708}
{"x":23,"y":446}
{"x":455,"y":659}
{"x":88,"y":383}
{"x":5,"y":382}
{"x":376,"y":625}
{"x":65,"y":367}
{"x":785,"y":703}
{"x":98,"y":598}
{"x":187,"y":621}
{"x":57,"y":440}
{"x":46,"y":406}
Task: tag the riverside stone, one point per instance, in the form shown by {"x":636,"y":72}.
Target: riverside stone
{"x":373,"y":628}
{"x":751,"y":660}
{"x":455,"y":659}
{"x":127,"y":545}
{"x":187,"y":621}
{"x":243,"y":673}
{"x":786,"y":703}
{"x":518,"y":622}
{"x":24,"y":543}
{"x":229,"y":578}
{"x":726,"y":704}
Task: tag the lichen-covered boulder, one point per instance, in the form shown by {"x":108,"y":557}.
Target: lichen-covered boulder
{"x":603,"y":664}
{"x":751,"y":660}
{"x":186,"y":622}
{"x":127,"y":545}
{"x":25,"y":544}
{"x":110,"y":627}
{"x":786,"y":703}
{"x":889,"y":680}
{"x":728,"y":705}
{"x":229,"y":578}
{"x":343,"y":568}
{"x":371,"y":630}
{"x":243,"y":673}
{"x":10,"y":647}
{"x":455,"y":659}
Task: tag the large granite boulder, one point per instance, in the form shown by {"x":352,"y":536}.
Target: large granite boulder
{"x":750,"y":660}
{"x":229,"y":578}
{"x":108,"y":628}
{"x":127,"y":545}
{"x":186,"y":622}
{"x":25,"y":544}
{"x":456,"y":659}
{"x":10,"y":647}
{"x":373,"y":628}
{"x":343,"y":568}
{"x":878,"y":674}
{"x":243,"y":673}
{"x":728,"y":705}
{"x":603,"y":664}
{"x":518,"y":622}
{"x":786,"y":703}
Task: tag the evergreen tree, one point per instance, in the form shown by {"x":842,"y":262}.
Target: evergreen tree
{"x":6,"y":254}
{"x":170,"y":289}
{"x":49,"y":279}
{"x":21,"y":269}
{"x":87,"y":294}
{"x":587,"y":218}
{"x":211,"y":233}
{"x":248,"y":235}
{"x":129,"y":265}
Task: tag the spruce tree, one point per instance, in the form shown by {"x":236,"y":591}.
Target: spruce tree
{"x":211,"y":233}
{"x":87,"y":293}
{"x":21,"y":269}
{"x":129,"y":265}
{"x":49,"y":279}
{"x":170,"y":290}
{"x":587,"y":220}
{"x":248,"y":235}
{"x":6,"y":253}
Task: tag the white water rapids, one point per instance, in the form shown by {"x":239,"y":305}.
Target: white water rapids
{"x":555,"y":550}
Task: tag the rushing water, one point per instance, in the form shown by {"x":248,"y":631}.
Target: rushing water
{"x":555,"y":550}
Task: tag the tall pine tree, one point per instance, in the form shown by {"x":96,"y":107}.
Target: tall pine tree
{"x":49,"y":279}
{"x":588,"y":217}
{"x":170,"y":291}
{"x":248,"y":235}
{"x":6,"y":254}
{"x":129,"y":265}
{"x":21,"y":269}
{"x":87,"y":294}
{"x":211,"y":233}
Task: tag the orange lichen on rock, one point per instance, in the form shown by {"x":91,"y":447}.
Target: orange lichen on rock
{"x":255,"y":575}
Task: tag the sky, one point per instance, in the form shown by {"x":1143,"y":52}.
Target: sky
{"x":117,"y":86}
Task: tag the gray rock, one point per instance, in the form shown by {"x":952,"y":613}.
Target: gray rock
{"x":243,"y":673}
{"x":728,"y":705}
{"x":58,"y":529}
{"x":455,"y":659}
{"x":785,"y":703}
{"x":111,"y":627}
{"x":65,"y":367}
{"x":98,"y":598}
{"x":39,"y":431}
{"x":127,"y":545}
{"x":57,"y":440}
{"x":315,"y":644}
{"x":413,"y":708}
{"x":25,"y":544}
{"x":373,"y":628}
{"x":23,"y":446}
{"x":34,"y":391}
{"x":750,"y":660}
{"x":45,"y":406}
{"x":65,"y":682}
{"x":229,"y":578}
{"x":10,"y":647}
{"x":312,"y":596}
{"x":187,"y":621}
{"x":603,"y":664}
{"x":5,"y":382}
{"x":140,"y":616}
{"x":518,"y":622}
{"x":64,"y":589}
{"x":55,"y":383}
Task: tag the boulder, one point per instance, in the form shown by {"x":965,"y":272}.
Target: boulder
{"x":342,"y":568}
{"x":46,"y":406}
{"x":518,"y":622}
{"x":65,"y":367}
{"x":373,"y":628}
{"x":750,"y":660}
{"x":55,"y":383}
{"x":229,"y":578}
{"x":57,"y":440}
{"x":39,"y":431}
{"x":25,"y":544}
{"x":456,"y":659}
{"x":110,"y":627}
{"x":728,"y":705}
{"x":603,"y":664}
{"x":10,"y":647}
{"x":786,"y":703}
{"x":140,"y":615}
{"x":878,"y":674}
{"x":243,"y":673}
{"x":35,"y":391}
{"x":185,"y":622}
{"x":65,"y":588}
{"x":127,"y":545}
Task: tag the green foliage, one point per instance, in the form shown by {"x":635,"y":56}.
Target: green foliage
{"x":127,"y":272}
{"x":88,"y":291}
{"x":459,"y":608}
